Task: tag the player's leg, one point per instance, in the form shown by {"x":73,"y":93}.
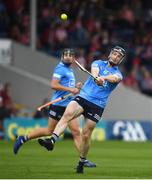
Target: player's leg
{"x":86,"y":137}
{"x":51,"y":126}
{"x":46,"y":131}
{"x":39,"y":132}
{"x":72,"y":111}
{"x":74,"y":127}
{"x":92,"y":114}
{"x":85,"y":144}
{"x":75,"y":130}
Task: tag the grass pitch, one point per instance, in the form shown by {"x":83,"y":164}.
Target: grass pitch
{"x":115,"y":160}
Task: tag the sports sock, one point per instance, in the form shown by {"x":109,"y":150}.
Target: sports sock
{"x":26,"y":138}
{"x":82,"y":159}
{"x":54,"y":137}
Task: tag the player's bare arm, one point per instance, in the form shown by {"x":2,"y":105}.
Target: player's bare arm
{"x":55,"y":84}
{"x":112,"y":78}
{"x":95,"y":72}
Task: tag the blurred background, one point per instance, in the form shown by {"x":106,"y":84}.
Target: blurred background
{"x":32,"y":36}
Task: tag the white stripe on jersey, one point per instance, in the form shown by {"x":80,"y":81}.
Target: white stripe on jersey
{"x":57,"y":75}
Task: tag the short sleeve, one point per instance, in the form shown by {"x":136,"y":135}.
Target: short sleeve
{"x":95,"y":64}
{"x":58,"y":73}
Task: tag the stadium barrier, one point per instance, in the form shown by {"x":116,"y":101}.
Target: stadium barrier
{"x":105,"y":130}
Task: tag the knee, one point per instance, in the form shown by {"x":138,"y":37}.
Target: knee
{"x":86,"y":135}
{"x":67,"y":116}
{"x":75,"y":133}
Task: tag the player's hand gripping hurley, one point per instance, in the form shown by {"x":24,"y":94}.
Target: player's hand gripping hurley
{"x":54,"y":101}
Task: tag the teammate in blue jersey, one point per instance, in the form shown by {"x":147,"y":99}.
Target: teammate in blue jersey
{"x":63,"y":82}
{"x":91,"y":101}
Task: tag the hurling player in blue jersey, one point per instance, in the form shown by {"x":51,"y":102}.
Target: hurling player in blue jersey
{"x":63,"y":82}
{"x":91,"y":101}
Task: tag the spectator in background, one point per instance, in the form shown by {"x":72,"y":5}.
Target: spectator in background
{"x":7,"y":100}
{"x":15,"y":33}
{"x":1,"y":108}
{"x":4,"y":20}
{"x":131,"y":79}
{"x":80,"y":57}
{"x":6,"y":103}
{"x":147,"y":51}
{"x":146,"y":82}
{"x":95,"y":43}
{"x":60,"y":36}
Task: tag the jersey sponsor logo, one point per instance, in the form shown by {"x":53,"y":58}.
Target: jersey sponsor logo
{"x":130,"y":131}
{"x":53,"y":113}
{"x":105,"y":72}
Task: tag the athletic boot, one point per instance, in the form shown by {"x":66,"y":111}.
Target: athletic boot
{"x":79,"y":168}
{"x":18,"y":143}
{"x":47,"y":143}
{"x":89,"y":164}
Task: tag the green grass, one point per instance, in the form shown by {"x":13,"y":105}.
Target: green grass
{"x":114,"y":160}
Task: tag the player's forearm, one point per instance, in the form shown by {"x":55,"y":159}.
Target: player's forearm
{"x":112,"y":78}
{"x":95,"y":71}
{"x":60,"y":87}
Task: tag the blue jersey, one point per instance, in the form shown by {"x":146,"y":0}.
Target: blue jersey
{"x":99,"y":94}
{"x":66,"y":78}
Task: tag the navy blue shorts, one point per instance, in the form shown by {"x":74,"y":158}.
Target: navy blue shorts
{"x":56,"y":112}
{"x":91,"y":110}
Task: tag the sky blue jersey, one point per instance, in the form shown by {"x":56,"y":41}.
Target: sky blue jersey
{"x":66,"y":78}
{"x":99,"y":94}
